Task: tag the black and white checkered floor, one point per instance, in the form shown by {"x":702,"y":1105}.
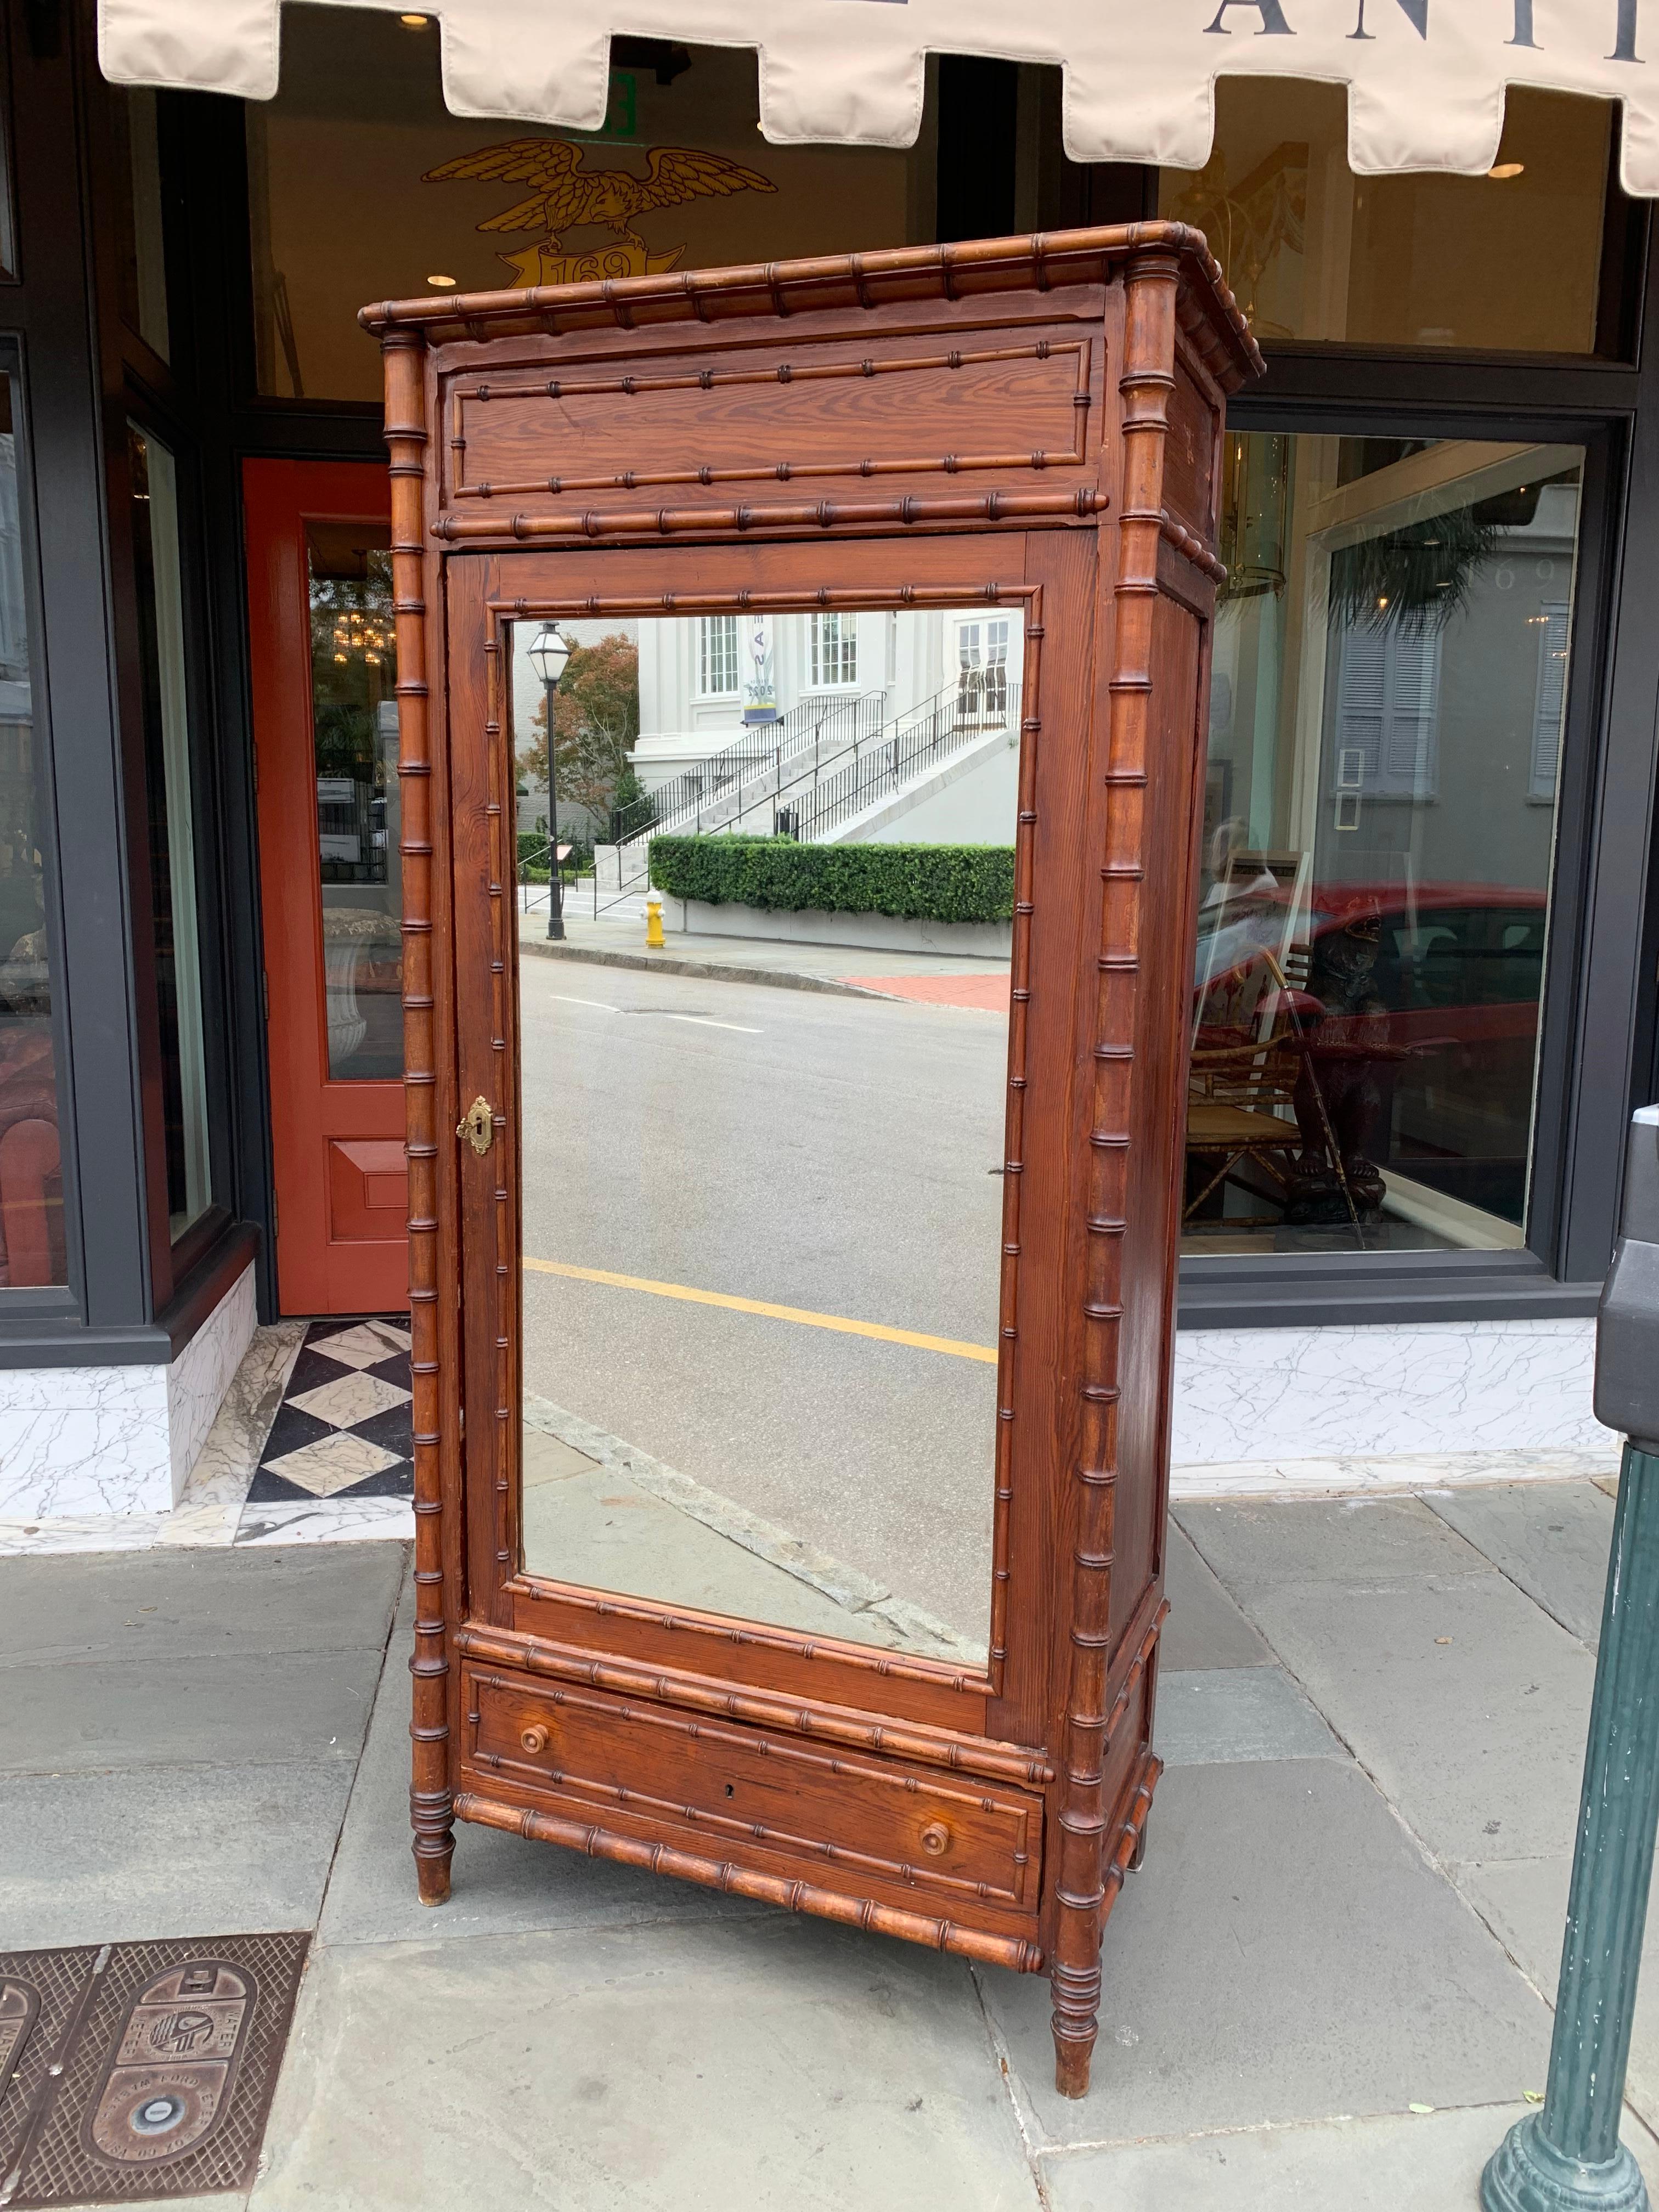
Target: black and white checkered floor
{"x":343,"y":1429}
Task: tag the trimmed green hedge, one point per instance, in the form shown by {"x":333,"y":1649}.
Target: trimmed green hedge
{"x":927,"y":883}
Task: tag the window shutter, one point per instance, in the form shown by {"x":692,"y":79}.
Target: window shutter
{"x":1409,"y":764}
{"x":1387,"y":712}
{"x":1361,"y":692}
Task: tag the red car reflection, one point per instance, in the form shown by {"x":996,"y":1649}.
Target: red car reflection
{"x":1396,"y":1031}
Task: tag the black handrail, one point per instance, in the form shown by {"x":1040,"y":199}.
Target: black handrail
{"x":932,"y":733}
{"x":767,"y":747}
{"x":815,"y":801}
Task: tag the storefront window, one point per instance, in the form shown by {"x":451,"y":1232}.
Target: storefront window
{"x":31,"y":1180}
{"x":174,"y":915}
{"x":1386,"y":722}
{"x":144,"y":268}
{"x":354,"y":705}
{"x":1419,"y":259}
{"x":364,"y":187}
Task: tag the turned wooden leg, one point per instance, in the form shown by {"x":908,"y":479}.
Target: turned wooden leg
{"x":435,"y":1844}
{"x":1076,"y":2021}
{"x":1140,"y":1851}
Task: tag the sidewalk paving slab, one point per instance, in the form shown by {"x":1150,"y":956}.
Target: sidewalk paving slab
{"x":150,"y":1605}
{"x":305,"y":1705}
{"x":1555,"y":1547}
{"x":1414,"y":2163}
{"x":1237,"y":1713}
{"x":213,"y":1659}
{"x":1204,"y":1627}
{"x":778,"y":2064}
{"x":1464,"y":1700}
{"x":1284,"y":1953}
{"x":165,"y":1850}
{"x":1257,"y":1545}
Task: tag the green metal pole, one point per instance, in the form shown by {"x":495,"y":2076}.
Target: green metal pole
{"x":1567,"y":2157}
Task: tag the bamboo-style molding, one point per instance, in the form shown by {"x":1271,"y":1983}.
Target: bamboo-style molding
{"x":508,"y":1276}
{"x":431,"y":1808}
{"x":716,"y":379}
{"x":1013,"y":1950}
{"x":1145,"y":386}
{"x":950,"y":464}
{"x":1126,"y":1849}
{"x":767,"y":601}
{"x":1013,"y":1169}
{"x":823,"y":513}
{"x":779,"y":1750}
{"x":505,"y":1155}
{"x":718,"y":1628}
{"x":971,"y":269}
{"x":1203,"y":557}
{"x":1138,"y":1667}
{"x":793,"y":1716}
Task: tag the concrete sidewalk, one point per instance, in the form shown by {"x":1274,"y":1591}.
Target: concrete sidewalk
{"x":1373,"y":1713}
{"x":616,"y":939}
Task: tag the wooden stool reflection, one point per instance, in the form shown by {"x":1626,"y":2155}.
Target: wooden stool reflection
{"x":1238,"y":1108}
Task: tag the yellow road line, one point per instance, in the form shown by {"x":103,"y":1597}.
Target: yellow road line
{"x":838,"y":1322}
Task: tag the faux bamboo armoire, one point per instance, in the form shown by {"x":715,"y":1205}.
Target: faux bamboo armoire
{"x":990,"y":473}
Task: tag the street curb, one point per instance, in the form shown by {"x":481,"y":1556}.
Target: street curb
{"x":921,"y":1632}
{"x":714,"y":971}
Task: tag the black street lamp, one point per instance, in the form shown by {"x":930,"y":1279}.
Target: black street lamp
{"x":549,"y":652}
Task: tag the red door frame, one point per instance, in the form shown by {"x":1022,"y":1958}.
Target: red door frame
{"x":337,"y":1146}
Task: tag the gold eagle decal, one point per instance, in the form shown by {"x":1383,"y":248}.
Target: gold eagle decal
{"x":565,"y":194}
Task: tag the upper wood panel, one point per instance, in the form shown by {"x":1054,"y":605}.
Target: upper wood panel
{"x":708,"y":427}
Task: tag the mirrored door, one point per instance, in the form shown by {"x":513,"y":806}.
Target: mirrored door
{"x":741,"y":1224}
{"x":762,"y":1188}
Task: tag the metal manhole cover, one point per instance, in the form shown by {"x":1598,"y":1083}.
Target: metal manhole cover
{"x":140,"y":2071}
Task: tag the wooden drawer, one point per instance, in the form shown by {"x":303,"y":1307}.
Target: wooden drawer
{"x":949,"y":1840}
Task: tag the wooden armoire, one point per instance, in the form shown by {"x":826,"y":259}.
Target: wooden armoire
{"x":1028,"y":425}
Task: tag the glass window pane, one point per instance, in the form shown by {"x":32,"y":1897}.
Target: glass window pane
{"x":359,"y":188}
{"x":174,"y":917}
{"x":354,"y":697}
{"x":1386,"y":720}
{"x":144,"y":276}
{"x":31,"y":1180}
{"x":1314,"y":252}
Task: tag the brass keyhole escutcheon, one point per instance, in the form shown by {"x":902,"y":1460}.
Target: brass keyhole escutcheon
{"x":935,"y":1840}
{"x":478,"y":1126}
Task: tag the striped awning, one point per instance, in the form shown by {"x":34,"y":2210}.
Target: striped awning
{"x":1425,"y":78}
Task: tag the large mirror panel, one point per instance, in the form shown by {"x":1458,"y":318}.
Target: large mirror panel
{"x":763,"y":1177}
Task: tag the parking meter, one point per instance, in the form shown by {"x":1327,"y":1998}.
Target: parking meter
{"x":1568,"y":2157}
{"x":1627,"y":1320}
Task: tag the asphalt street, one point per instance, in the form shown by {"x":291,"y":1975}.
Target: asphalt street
{"x":833,"y":1154}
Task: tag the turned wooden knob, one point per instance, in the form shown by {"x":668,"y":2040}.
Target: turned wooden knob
{"x":935,"y":1840}
{"x":536,"y":1739}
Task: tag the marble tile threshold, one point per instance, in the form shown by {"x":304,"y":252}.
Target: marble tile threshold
{"x":211,"y":1509}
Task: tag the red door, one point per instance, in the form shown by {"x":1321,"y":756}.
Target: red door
{"x":325,"y":739}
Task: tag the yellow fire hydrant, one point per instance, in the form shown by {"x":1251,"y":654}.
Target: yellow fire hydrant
{"x":654,"y":940}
